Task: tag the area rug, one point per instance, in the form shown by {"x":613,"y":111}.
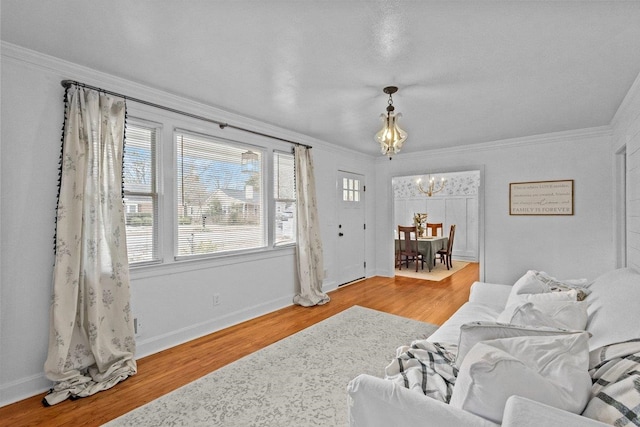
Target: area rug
{"x":298,"y":381}
{"x":438,"y":273}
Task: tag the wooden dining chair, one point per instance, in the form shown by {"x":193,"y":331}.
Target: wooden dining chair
{"x":434,"y":226}
{"x":408,"y":247}
{"x":445,"y":254}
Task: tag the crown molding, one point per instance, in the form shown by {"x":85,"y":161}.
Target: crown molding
{"x":549,"y":138}
{"x":71,"y":71}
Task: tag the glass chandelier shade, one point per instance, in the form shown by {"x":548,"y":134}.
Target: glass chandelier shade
{"x":390,"y":137}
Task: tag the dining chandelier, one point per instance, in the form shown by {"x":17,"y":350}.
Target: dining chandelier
{"x":431,"y":189}
{"x":390,"y":137}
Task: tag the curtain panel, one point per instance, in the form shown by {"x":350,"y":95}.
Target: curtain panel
{"x":309,"y":248}
{"x":91,"y":338}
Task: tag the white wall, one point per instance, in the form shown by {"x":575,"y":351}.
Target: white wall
{"x":575,"y":246}
{"x":173,"y":302}
{"x":626,"y":128}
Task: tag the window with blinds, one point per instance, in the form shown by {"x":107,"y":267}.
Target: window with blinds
{"x":140,"y":194}
{"x":285,"y":198}
{"x":219,"y":196}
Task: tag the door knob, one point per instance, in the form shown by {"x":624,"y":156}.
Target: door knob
{"x":340,"y":234}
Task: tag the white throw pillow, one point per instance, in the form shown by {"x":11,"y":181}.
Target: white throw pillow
{"x":518,"y":299}
{"x":551,"y":370}
{"x":474,"y":332}
{"x":529,"y":284}
{"x":554,"y":314}
{"x":539,"y":282}
{"x":614,"y":314}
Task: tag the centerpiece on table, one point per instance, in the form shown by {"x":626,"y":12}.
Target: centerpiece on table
{"x":420,"y":220}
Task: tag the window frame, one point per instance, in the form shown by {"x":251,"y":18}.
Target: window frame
{"x":274,"y":200}
{"x":166,"y":162}
{"x":155,"y":192}
{"x":263,"y":195}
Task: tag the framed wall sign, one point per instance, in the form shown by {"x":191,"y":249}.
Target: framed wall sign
{"x":541,"y":198}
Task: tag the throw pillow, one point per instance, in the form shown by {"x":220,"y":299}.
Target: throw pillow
{"x":475,"y":332}
{"x":552,"y":370}
{"x":539,"y":282}
{"x":518,"y":299}
{"x":555,"y":314}
{"x":529,"y":284}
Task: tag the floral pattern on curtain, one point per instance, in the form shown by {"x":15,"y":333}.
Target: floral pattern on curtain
{"x":309,"y":247}
{"x":91,"y":338}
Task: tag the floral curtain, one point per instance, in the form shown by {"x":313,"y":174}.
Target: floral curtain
{"x":91,"y":338}
{"x":309,"y":248}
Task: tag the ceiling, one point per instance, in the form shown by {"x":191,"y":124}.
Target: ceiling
{"x":467,"y":71}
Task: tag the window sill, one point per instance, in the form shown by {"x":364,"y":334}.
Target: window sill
{"x":214,"y":261}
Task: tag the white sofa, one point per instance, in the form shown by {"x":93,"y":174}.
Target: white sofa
{"x":612,"y":316}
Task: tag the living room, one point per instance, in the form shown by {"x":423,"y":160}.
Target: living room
{"x":173,"y":299}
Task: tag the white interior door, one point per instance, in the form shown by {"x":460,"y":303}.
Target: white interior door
{"x":351,"y":227}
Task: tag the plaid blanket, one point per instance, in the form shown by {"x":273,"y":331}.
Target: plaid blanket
{"x":615,"y":394}
{"x":425,"y":367}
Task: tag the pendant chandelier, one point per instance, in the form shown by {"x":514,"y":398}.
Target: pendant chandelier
{"x":390,"y":137}
{"x":431,"y":189}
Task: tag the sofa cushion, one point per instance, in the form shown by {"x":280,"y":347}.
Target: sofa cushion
{"x":552,"y":313}
{"x":548,"y":369}
{"x":613,"y":308}
{"x":449,"y":332}
{"x":474,"y":332}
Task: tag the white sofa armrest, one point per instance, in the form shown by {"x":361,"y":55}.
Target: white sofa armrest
{"x":523,"y":412}
{"x":374,"y":402}
{"x":492,"y":294}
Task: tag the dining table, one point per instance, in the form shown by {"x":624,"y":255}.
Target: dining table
{"x":428,"y":247}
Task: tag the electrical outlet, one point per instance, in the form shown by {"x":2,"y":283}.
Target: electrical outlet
{"x":216,"y":299}
{"x":137,"y":326}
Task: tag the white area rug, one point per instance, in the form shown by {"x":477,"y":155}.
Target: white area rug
{"x":298,"y":381}
{"x":438,"y":273}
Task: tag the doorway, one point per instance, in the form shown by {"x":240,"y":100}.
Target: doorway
{"x":351,"y":228}
{"x":457,"y":202}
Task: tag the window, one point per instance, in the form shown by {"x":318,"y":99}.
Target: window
{"x":284,"y":195}
{"x":350,"y":190}
{"x":140,"y":196}
{"x":219,"y":193}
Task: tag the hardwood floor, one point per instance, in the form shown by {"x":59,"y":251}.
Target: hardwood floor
{"x":160,"y":373}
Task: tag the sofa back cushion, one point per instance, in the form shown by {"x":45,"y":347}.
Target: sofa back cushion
{"x":614,"y":308}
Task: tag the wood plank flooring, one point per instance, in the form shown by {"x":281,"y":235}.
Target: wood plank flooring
{"x":160,"y":373}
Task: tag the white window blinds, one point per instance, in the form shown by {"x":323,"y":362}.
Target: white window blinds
{"x":140,"y":196}
{"x":285,"y":198}
{"x":219,"y":195}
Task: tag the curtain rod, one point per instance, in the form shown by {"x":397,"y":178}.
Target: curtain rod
{"x":67,"y":83}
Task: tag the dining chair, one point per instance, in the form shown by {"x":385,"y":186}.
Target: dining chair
{"x":434,"y":226}
{"x":408,"y":247}
{"x":445,"y":254}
